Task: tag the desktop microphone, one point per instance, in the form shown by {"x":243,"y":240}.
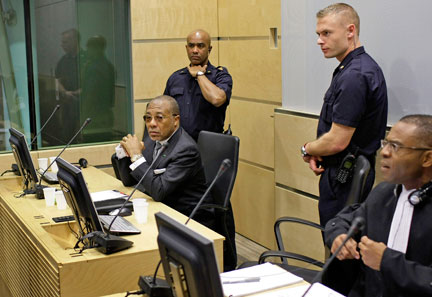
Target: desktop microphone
{"x":15,"y":166}
{"x":155,"y":287}
{"x":39,"y":188}
{"x":224,"y":166}
{"x":106,"y":241}
{"x":46,"y":122}
{"x":356,"y":226}
{"x":163,"y":147}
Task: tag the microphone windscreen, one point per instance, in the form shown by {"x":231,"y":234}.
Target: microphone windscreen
{"x":226,"y":163}
{"x":358,"y":223}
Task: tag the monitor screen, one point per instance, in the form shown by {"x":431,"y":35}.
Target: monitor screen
{"x":188,"y":259}
{"x":22,"y":157}
{"x":78,"y":197}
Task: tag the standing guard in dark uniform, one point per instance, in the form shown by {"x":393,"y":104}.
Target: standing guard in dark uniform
{"x":354,"y":113}
{"x":202,"y":91}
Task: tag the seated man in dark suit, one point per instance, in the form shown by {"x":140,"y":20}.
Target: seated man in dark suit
{"x":177,"y":176}
{"x":394,"y":251}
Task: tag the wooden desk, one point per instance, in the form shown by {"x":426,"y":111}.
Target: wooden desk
{"x":37,"y":256}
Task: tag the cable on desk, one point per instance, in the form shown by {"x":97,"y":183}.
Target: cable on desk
{"x":19,"y":195}
{"x":72,"y":230}
{"x":140,"y":292}
{"x":7,"y":171}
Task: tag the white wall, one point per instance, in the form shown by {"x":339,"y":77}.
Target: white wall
{"x":394,"y":33}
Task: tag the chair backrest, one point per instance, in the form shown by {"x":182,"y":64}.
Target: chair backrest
{"x":361,"y":171}
{"x":214,"y":148}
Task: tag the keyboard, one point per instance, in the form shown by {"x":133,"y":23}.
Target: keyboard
{"x":121,"y":226}
{"x":105,"y":206}
{"x":49,"y":176}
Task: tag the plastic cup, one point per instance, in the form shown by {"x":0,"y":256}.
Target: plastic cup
{"x":140,"y":207}
{"x":49,"y":194}
{"x":53,"y":167}
{"x":60,"y":199}
{"x":43,"y":163}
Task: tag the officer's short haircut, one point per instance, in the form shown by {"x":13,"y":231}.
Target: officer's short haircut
{"x":342,"y":8}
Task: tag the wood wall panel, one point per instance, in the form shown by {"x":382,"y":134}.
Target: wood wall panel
{"x":248,"y":17}
{"x":253,"y":204}
{"x":153,"y":63}
{"x":253,"y":123}
{"x":139,"y":111}
{"x":291,"y":132}
{"x":303,"y":240}
{"x":155,"y":19}
{"x":255,"y":68}
{"x":95,"y":155}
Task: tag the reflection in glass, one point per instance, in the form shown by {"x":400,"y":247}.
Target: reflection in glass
{"x":14,"y":105}
{"x":83,"y":65}
{"x":97,"y":97}
{"x":68,"y":89}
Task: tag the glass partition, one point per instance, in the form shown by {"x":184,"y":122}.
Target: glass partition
{"x":83,"y":65}
{"x":70,"y":53}
{"x":14,"y":95}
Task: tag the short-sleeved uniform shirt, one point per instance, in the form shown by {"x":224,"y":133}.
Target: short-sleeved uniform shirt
{"x":68,"y":70}
{"x":196,"y":113}
{"x":357,"y":97}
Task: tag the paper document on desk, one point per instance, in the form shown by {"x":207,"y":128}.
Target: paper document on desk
{"x":256,"y":279}
{"x":107,"y":195}
{"x":317,"y":290}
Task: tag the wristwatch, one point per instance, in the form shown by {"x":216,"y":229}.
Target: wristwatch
{"x":135,"y":157}
{"x":303,"y":151}
{"x":199,"y":73}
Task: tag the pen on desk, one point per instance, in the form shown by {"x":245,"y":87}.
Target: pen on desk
{"x":243,"y":280}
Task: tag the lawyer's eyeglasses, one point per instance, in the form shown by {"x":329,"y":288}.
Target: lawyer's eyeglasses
{"x":394,"y":146}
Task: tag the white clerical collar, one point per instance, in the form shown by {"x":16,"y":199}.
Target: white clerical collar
{"x":401,"y":223}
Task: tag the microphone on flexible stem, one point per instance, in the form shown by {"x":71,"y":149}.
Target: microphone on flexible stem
{"x":224,"y":166}
{"x":163,"y":147}
{"x":152,"y":284}
{"x":357,"y":225}
{"x":39,"y":188}
{"x":106,"y":241}
{"x":46,"y":122}
{"x":15,"y":166}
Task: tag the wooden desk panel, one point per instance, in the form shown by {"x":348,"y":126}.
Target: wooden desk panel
{"x":37,"y":256}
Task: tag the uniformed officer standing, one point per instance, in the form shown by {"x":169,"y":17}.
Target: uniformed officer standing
{"x":354,"y":113}
{"x":202,"y":91}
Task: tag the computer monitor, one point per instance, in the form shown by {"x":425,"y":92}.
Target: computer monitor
{"x":22,"y":156}
{"x":188,"y":259}
{"x":90,"y":226}
{"x":78,"y":197}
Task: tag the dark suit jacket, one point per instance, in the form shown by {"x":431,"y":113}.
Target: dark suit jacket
{"x":177,"y":177}
{"x":400,"y":275}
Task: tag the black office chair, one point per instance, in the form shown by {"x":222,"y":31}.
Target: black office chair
{"x":361,"y":171}
{"x":214,"y":148}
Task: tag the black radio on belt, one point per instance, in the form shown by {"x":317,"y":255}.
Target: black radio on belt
{"x":346,"y":168}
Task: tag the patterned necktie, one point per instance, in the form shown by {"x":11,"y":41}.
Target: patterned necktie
{"x":156,"y":149}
